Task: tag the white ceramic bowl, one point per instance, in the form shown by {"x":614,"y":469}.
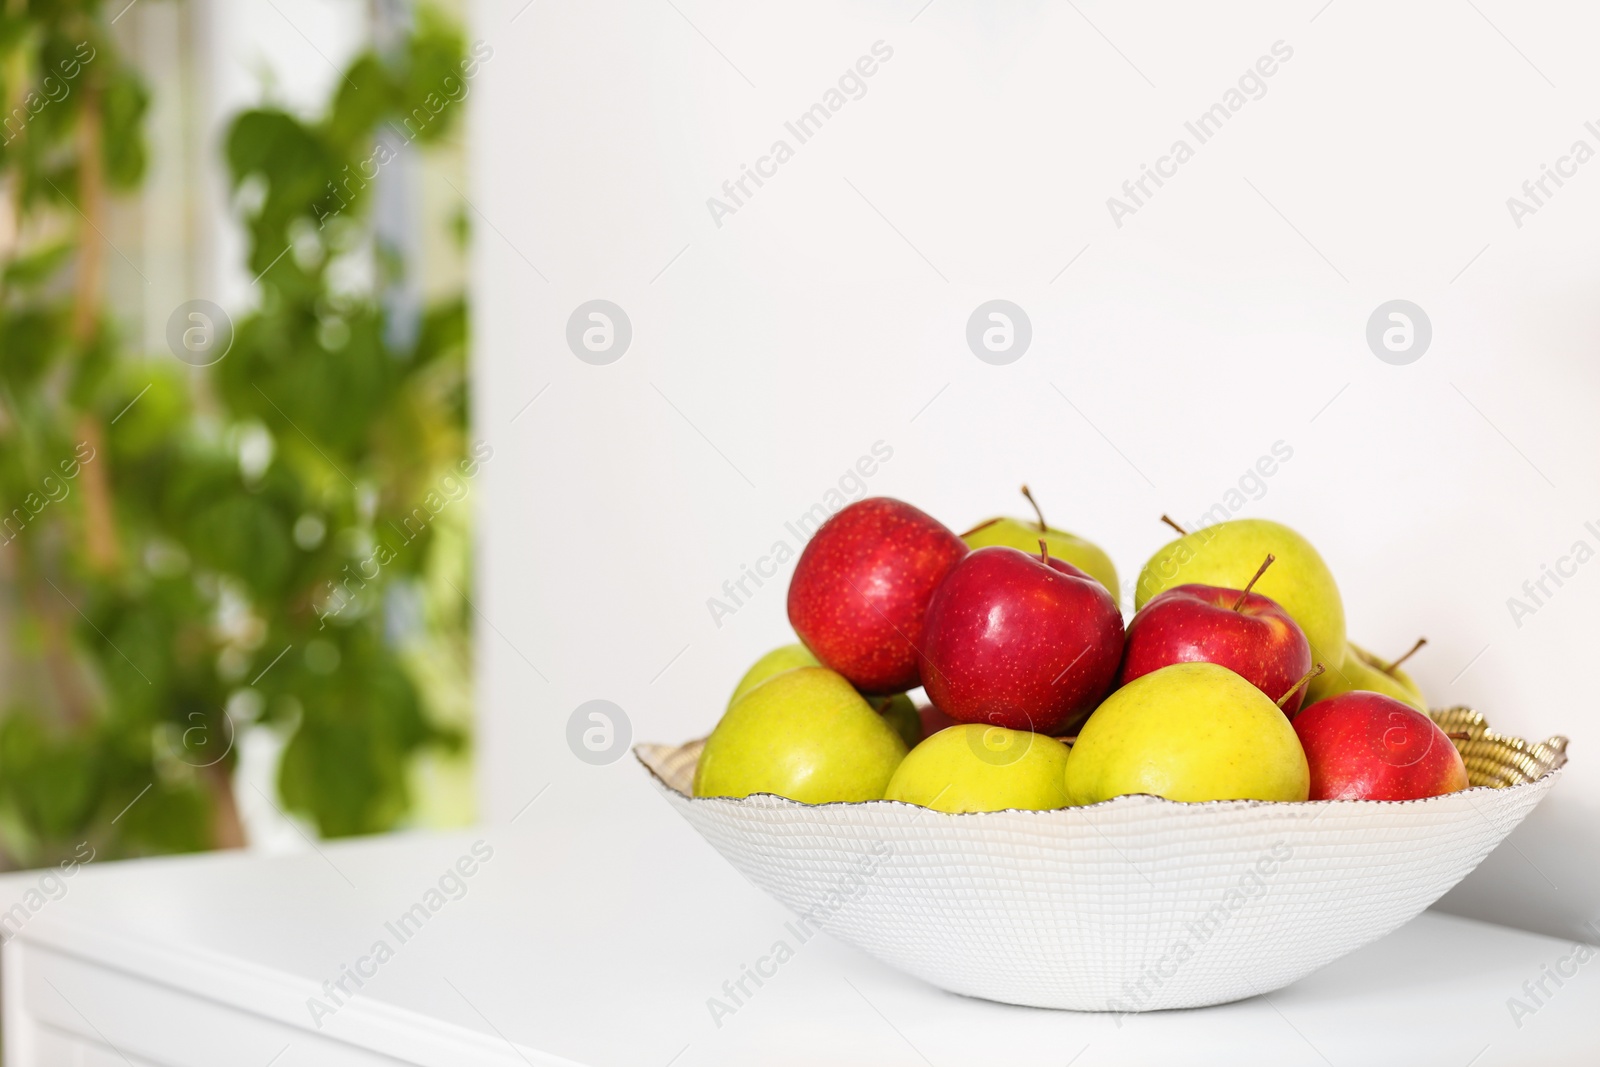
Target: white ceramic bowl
{"x":1132,"y":904}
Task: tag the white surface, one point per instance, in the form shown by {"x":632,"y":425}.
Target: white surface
{"x":597,"y":934}
{"x":1166,"y":359}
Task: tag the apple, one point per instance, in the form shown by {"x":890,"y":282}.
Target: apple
{"x":805,"y":734}
{"x":983,"y":768}
{"x":1025,"y":642}
{"x":933,"y":720}
{"x":898,"y":709}
{"x":1363,"y":670}
{"x":1242,"y":630}
{"x":1189,"y":731}
{"x":861,"y":588}
{"x":1389,"y":671}
{"x":1367,"y":746}
{"x":1020,"y":533}
{"x":901,"y":714}
{"x":1226,"y":554}
{"x":784,"y":658}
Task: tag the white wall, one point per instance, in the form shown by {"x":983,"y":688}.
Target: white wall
{"x":1227,"y":314}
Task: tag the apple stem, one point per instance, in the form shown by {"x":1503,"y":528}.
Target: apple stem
{"x":1044,"y":551}
{"x":1168,"y":520}
{"x":1036,"y":509}
{"x":1315,"y":670}
{"x":1238,"y":605}
{"x":1390,"y":669}
{"x":1459,"y":735}
{"x":1068,"y":740}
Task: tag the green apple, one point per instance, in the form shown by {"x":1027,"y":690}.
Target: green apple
{"x":1190,"y":731}
{"x":898,"y":709}
{"x":900,"y":714}
{"x":1393,"y":671}
{"x":786,"y":658}
{"x":1362,"y":670}
{"x":973,"y":767}
{"x":1228,"y":553}
{"x":805,"y":734}
{"x":1020,"y":533}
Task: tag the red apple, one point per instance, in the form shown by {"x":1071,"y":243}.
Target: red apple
{"x":933,"y":720}
{"x":1245,"y":632}
{"x":1366,"y":746}
{"x":861,"y":589}
{"x":1020,"y":641}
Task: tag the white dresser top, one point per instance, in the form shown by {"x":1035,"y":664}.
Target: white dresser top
{"x":596,"y":935}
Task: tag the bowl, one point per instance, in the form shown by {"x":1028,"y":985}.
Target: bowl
{"x":1133,"y":904}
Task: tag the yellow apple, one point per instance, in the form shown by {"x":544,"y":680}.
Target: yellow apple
{"x":1362,"y":670}
{"x":784,"y":658}
{"x":805,"y":734}
{"x":901,"y":714}
{"x":1228,"y":553}
{"x":1190,"y":731}
{"x":973,"y":767}
{"x":1026,"y":535}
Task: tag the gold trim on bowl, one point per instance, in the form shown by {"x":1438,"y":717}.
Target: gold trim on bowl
{"x":1498,"y":760}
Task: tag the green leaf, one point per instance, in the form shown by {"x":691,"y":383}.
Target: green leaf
{"x":31,"y":342}
{"x":361,"y":101}
{"x":125,"y":101}
{"x":242,"y":536}
{"x":39,"y":265}
{"x":178,"y":574}
{"x":49,"y":780}
{"x":345,"y":766}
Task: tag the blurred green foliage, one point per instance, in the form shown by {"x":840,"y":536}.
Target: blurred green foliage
{"x":186,"y":551}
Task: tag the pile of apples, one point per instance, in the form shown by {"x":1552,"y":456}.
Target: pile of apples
{"x":1040,"y":697}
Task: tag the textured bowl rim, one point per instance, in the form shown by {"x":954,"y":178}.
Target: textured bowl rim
{"x":1248,"y":802}
{"x":1481,"y":738}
